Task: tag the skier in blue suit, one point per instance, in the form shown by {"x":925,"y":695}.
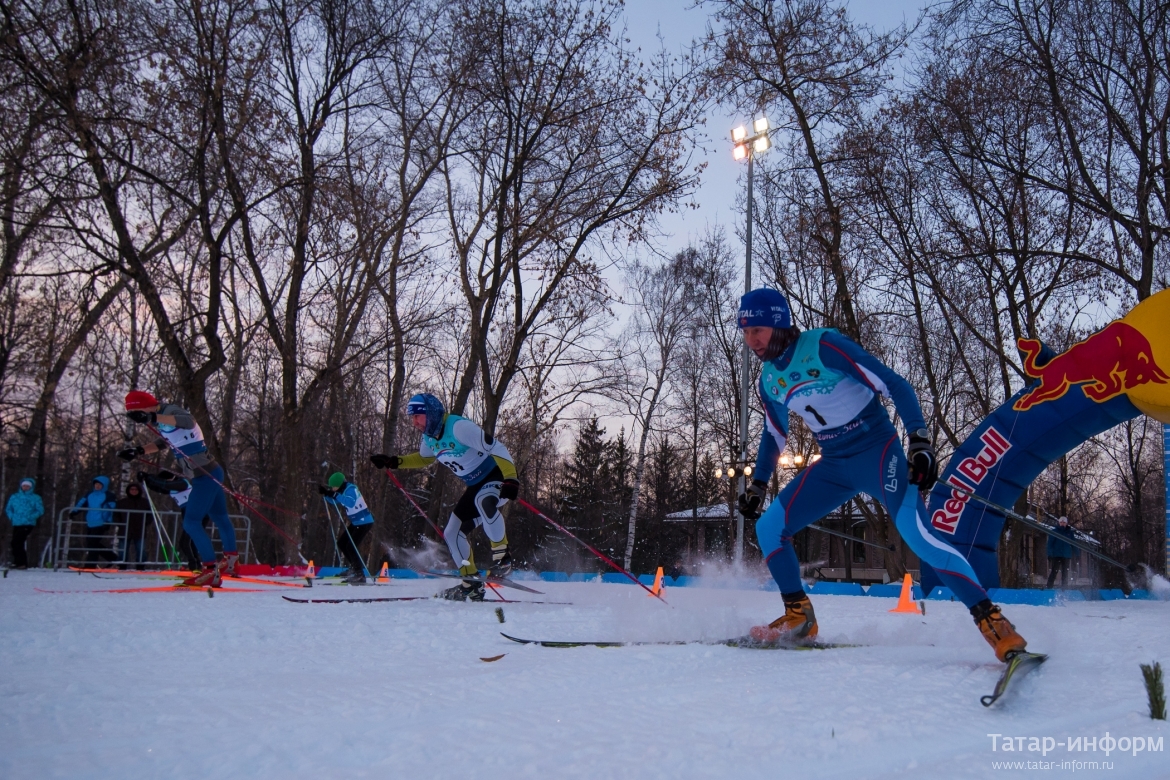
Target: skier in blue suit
{"x":834,"y":386}
{"x":346,"y":495}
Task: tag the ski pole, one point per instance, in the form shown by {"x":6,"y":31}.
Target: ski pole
{"x":332,"y":533}
{"x":414,"y":503}
{"x":887,"y":547}
{"x":163,"y":536}
{"x":588,"y":546}
{"x":1038,"y":526}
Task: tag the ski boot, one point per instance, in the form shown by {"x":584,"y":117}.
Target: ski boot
{"x":501,"y":562}
{"x":996,"y":629}
{"x":355,"y":577}
{"x":466,"y":591}
{"x":209,"y":577}
{"x":798,"y":622}
{"x":229,"y":566}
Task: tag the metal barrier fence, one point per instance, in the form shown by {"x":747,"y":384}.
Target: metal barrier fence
{"x":74,"y":542}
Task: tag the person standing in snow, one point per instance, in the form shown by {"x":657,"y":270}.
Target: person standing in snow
{"x":345,"y":495}
{"x":171,"y":484}
{"x":1060,"y":551}
{"x":176,"y":430}
{"x":23,"y":509}
{"x":834,"y":386}
{"x":485,"y":466}
{"x":132,"y":509}
{"x":97,"y":505}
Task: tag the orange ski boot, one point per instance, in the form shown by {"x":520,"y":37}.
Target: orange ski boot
{"x":996,"y":629}
{"x":209,"y":577}
{"x":798,"y":623}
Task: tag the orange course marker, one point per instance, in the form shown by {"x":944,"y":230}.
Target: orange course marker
{"x":906,"y":600}
{"x":311,"y":572}
{"x":658,"y":588}
{"x":384,"y":574}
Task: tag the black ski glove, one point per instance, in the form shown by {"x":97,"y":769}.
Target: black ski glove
{"x":385,"y":461}
{"x":510,"y":490}
{"x":140,"y":416}
{"x":751,"y":499}
{"x":130,"y":453}
{"x":325,"y":490}
{"x":923,"y":460}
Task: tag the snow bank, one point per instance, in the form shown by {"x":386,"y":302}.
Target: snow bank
{"x":177,"y":685}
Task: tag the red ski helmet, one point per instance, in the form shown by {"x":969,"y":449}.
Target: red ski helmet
{"x":140,"y":399}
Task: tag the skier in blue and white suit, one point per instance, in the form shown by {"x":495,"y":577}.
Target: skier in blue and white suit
{"x":485,"y":466}
{"x":345,"y":495}
{"x":834,"y":386}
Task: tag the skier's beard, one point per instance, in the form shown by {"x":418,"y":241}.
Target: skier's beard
{"x":782,"y":338}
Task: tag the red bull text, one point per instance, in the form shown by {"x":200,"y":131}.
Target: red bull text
{"x":973,"y":470}
{"x":1106,"y":364}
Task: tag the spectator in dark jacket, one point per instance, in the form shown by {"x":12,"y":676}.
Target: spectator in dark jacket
{"x":1059,"y":552}
{"x":24,"y":508}
{"x":132,"y":510}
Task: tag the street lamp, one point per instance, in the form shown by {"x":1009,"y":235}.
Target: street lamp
{"x":797,"y":461}
{"x":731,"y":470}
{"x":747,"y":146}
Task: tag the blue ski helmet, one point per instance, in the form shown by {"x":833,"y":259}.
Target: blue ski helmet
{"x":425,"y":403}
{"x":764,"y":307}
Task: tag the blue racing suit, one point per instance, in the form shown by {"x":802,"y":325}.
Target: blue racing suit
{"x":833,"y":385}
{"x":206,"y":499}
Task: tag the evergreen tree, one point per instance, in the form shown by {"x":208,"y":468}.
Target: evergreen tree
{"x":619,"y":476}
{"x":582,"y":495}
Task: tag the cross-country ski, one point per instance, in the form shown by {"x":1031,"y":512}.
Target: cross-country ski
{"x":747,"y":642}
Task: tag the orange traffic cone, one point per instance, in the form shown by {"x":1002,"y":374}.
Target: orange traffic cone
{"x":658,"y":586}
{"x":311,"y":572}
{"x":384,"y":575}
{"x":906,"y":599}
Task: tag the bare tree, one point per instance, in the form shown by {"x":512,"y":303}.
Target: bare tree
{"x":573,"y":143}
{"x":664,"y":301}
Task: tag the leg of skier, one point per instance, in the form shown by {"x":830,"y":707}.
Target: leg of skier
{"x":815,"y":492}
{"x":887,"y":480}
{"x":487,"y":503}
{"x":347,"y":541}
{"x":462,"y":522}
{"x":219,"y":515}
{"x":203,"y":494}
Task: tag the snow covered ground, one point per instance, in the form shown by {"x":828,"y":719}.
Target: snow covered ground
{"x":176,"y":685}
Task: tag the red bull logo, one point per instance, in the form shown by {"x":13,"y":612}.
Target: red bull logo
{"x":1106,"y":364}
{"x":974,"y":469}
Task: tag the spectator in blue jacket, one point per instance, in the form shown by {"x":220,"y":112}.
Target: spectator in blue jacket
{"x":1059,"y":551}
{"x":97,"y":505}
{"x":24,"y":508}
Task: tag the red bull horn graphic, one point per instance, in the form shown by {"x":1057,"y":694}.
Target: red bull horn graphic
{"x":1106,"y":364}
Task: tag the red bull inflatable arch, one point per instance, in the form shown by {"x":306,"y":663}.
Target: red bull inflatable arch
{"x":1116,"y":374}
